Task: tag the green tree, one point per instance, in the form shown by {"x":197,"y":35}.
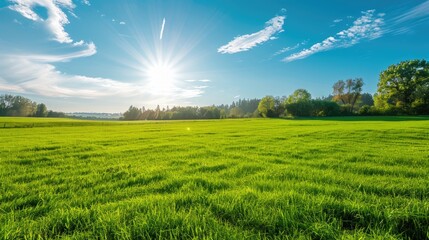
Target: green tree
{"x":266,"y":106}
{"x":42,"y":110}
{"x":132,"y":113}
{"x":236,"y":112}
{"x":347,"y":92}
{"x":298,"y":95}
{"x":404,"y":85}
{"x":366,"y":99}
{"x":17,"y":106}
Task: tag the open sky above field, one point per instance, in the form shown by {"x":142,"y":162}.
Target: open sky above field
{"x":102,"y":56}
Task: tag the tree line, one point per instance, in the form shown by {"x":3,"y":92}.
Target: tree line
{"x":403,"y":89}
{"x":19,"y":106}
{"x":238,"y":109}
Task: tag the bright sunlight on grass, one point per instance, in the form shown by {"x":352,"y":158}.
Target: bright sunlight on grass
{"x":222,"y":179}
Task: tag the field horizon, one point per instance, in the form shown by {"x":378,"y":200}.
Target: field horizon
{"x":305,"y":178}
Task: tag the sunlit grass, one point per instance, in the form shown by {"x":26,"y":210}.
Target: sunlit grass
{"x":226,"y":179}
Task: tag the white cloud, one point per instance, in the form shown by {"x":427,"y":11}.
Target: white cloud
{"x":36,"y":73}
{"x":86,"y":2}
{"x":162,"y":29}
{"x":248,"y":41}
{"x":56,"y":17}
{"x":337,"y":20}
{"x":23,"y":75}
{"x":368,"y":26}
{"x":122,"y":23}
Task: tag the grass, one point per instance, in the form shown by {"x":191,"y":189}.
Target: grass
{"x":339,"y":178}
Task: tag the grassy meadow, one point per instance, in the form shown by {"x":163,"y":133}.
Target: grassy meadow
{"x":328,"y":178}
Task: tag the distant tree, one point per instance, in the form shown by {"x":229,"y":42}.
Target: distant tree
{"x":298,"y":95}
{"x":313,"y":108}
{"x":54,"y":114}
{"x":366,"y":99}
{"x":16,"y":106}
{"x":42,"y":110}
{"x":299,"y":109}
{"x":266,"y":106}
{"x":158,"y":114}
{"x":132,"y":113}
{"x":236,"y":112}
{"x":347,"y":92}
{"x":325,"y":108}
{"x":405,"y":86}
{"x":211,"y":112}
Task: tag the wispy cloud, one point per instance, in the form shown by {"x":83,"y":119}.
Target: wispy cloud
{"x":200,"y":80}
{"x":248,"y":41}
{"x":368,"y":26}
{"x":288,"y":49}
{"x":162,"y":29}
{"x":405,"y":22}
{"x":27,"y":76}
{"x":86,"y":2}
{"x":56,"y":17}
{"x":89,"y":50}
{"x":419,"y":11}
{"x":122,"y":23}
{"x":337,"y":20}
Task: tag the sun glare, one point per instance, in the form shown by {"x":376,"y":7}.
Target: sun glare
{"x":161,"y":77}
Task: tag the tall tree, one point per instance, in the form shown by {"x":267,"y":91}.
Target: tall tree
{"x":348,"y":92}
{"x":404,"y":84}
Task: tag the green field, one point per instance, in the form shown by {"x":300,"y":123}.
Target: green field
{"x":332,"y":178}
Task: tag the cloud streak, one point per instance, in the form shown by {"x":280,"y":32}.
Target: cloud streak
{"x":89,"y":50}
{"x":249,"y":41}
{"x":288,"y":49}
{"x":419,"y":11}
{"x":162,"y":29}
{"x":368,"y":26}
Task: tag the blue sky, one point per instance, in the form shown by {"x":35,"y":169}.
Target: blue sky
{"x":103,"y":56}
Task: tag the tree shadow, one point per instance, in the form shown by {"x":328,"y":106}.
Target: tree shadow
{"x":366,"y":118}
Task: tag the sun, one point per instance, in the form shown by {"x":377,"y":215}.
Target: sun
{"x":161,"y":77}
{"x":161,"y":73}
